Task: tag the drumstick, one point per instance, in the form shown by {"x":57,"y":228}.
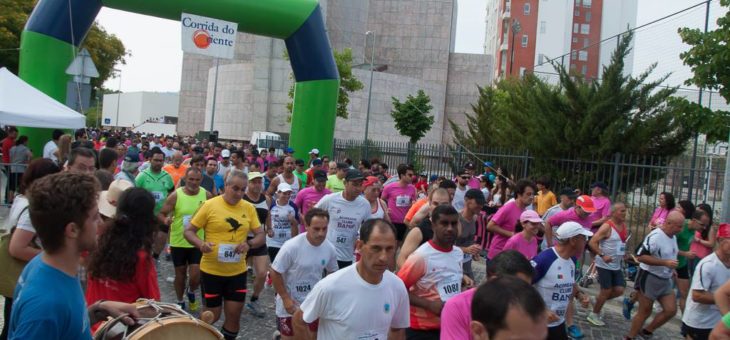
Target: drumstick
{"x":207,"y":317}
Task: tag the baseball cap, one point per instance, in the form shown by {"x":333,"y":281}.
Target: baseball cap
{"x":353,"y":175}
{"x":108,"y":198}
{"x":283,"y":187}
{"x":586,"y":203}
{"x":370,"y":180}
{"x":530,"y":216}
{"x":132,"y":157}
{"x":599,"y":184}
{"x":469,"y":166}
{"x":225,"y":153}
{"x":255,"y":174}
{"x":723,"y":231}
{"x":315,"y":151}
{"x":317,"y":162}
{"x":289,"y":150}
{"x":488,"y":164}
{"x":476,"y":194}
{"x":570,"y":229}
{"x":320,"y":175}
{"x":568,"y":191}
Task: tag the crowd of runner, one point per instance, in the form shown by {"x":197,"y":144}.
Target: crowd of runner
{"x":351,"y":250}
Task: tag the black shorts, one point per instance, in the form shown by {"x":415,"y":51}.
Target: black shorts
{"x":218,"y":288}
{"x":273,"y":251}
{"x":185,"y":256}
{"x":683,"y":273}
{"x":400,"y":231}
{"x":258,"y":251}
{"x":558,"y":332}
{"x":14,"y":180}
{"x":696,"y":333}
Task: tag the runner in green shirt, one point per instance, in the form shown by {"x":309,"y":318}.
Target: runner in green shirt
{"x":160,"y":184}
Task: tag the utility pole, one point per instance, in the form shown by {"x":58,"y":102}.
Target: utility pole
{"x":370,"y":89}
{"x":516,"y":28}
{"x":694,"y":148}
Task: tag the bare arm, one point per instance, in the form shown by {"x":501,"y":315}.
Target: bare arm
{"x":495,"y":228}
{"x":548,"y":233}
{"x":294,"y":225}
{"x":272,"y":187}
{"x":433,"y":305}
{"x":421,"y":215}
{"x":167,"y":208}
{"x":397,"y":334}
{"x":653,"y":261}
{"x":258,"y":238}
{"x":703,"y":296}
{"x":602,"y":234}
{"x":278,"y":282}
{"x":301,"y":329}
{"x":410,"y":244}
{"x":191,"y":235}
{"x":386,"y":213}
{"x":19,"y":246}
{"x":722,"y":298}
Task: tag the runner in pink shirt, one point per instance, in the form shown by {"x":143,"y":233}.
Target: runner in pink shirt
{"x":599,"y":195}
{"x":400,"y":196}
{"x":526,"y":241}
{"x":580,"y":213}
{"x":473,"y":182}
{"x":504,"y":221}
{"x":308,"y":197}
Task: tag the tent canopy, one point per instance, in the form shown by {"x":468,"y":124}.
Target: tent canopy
{"x":24,"y":105}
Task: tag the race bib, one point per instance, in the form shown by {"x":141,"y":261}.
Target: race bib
{"x":158,"y":195}
{"x":402,"y":201}
{"x":467,"y":258}
{"x":186,"y":220}
{"x":371,"y":335}
{"x":227,"y":254}
{"x":342,"y":239}
{"x":299,"y":290}
{"x":282,"y":235}
{"x":621,"y":249}
{"x":449,"y":288}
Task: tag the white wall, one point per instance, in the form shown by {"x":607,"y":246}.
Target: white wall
{"x":617,"y":16}
{"x":556,"y":40}
{"x":136,"y":107}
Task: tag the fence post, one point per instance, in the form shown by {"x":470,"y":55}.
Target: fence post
{"x":614,"y":175}
{"x":526,"y":163}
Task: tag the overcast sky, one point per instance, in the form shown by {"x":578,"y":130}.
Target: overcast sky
{"x":156,"y":58}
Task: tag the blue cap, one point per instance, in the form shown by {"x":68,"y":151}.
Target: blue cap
{"x":289,"y":150}
{"x":131,"y":157}
{"x":489,"y":164}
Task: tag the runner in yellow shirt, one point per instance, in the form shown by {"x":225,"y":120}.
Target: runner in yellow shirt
{"x":226,"y":220}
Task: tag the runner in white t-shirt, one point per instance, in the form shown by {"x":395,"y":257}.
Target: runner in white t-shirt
{"x":364,"y":301}
{"x":348,"y":210}
{"x":283,"y":221}
{"x":701,"y":313}
{"x":299,"y":266}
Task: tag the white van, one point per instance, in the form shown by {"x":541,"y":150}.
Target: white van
{"x":264,"y":140}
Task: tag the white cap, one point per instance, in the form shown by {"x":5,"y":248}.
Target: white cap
{"x":284,"y":187}
{"x":108,"y":199}
{"x":570,"y":229}
{"x":315,"y":151}
{"x":225,"y":153}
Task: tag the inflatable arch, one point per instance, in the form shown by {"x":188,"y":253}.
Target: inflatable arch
{"x":56,"y":28}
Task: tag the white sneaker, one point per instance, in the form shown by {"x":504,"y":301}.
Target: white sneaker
{"x":595,"y":319}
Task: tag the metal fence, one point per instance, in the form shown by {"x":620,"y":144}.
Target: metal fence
{"x":635,"y":180}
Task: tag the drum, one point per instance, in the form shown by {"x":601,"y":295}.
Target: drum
{"x":159,"y":321}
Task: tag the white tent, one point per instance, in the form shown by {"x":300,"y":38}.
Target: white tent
{"x":24,"y":105}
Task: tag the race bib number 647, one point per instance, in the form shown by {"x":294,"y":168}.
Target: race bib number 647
{"x":227,"y":254}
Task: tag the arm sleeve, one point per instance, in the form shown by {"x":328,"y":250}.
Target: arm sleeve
{"x":315,"y":304}
{"x":282,"y":262}
{"x":542,"y":263}
{"x":332,"y":265}
{"x":36,"y":329}
{"x":323,"y":202}
{"x":200,"y":218}
{"x":454,"y":321}
{"x":24,"y":222}
{"x":510,"y":244}
{"x":645,"y":248}
{"x":557,"y":219}
{"x":402,"y":316}
{"x":413,"y":270}
{"x":255,"y":223}
{"x":702,"y":280}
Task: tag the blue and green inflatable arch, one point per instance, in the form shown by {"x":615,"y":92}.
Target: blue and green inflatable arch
{"x":56,"y":28}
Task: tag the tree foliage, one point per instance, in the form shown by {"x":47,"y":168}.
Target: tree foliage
{"x":106,"y":49}
{"x":709,"y":59}
{"x":348,"y":83}
{"x":411,"y":116}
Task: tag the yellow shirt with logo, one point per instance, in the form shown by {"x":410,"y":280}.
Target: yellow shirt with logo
{"x":226,"y":226}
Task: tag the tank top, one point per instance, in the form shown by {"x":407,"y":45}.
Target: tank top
{"x":378,"y":213}
{"x":262,"y":210}
{"x":294,"y":186}
{"x":614,"y":247}
{"x":185,"y":207}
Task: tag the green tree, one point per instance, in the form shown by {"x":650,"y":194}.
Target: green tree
{"x":709,"y":59}
{"x":106,"y":49}
{"x":348,"y":83}
{"x":412,"y":119}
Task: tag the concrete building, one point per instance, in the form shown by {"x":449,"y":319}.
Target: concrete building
{"x":412,"y":46}
{"x":568,"y":32}
{"x":136,"y":108}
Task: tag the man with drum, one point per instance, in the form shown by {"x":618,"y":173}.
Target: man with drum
{"x":182,"y":204}
{"x":299,"y":265}
{"x":226,"y":221}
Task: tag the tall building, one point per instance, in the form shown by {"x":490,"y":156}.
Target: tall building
{"x":528,"y":34}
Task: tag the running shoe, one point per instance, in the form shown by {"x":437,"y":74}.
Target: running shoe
{"x":276,"y":335}
{"x":595,"y":319}
{"x":181,"y":305}
{"x":574,"y":332}
{"x":194,"y":306}
{"x":255,"y":309}
{"x":628,"y":306}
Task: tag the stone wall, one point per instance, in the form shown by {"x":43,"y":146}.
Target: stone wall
{"x":466,"y":71}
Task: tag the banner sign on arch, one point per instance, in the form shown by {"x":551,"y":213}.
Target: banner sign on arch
{"x":208,"y":36}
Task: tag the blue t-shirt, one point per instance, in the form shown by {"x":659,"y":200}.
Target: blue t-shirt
{"x":48,"y":304}
{"x":219,"y":183}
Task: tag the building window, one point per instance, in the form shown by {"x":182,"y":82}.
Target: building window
{"x":576,"y":27}
{"x":588,"y":16}
{"x":577,"y":12}
{"x":540,"y":58}
{"x":577,"y":3}
{"x":575,"y":39}
{"x":585,"y":29}
{"x":572,"y":68}
{"x":543,"y":27}
{"x":573,"y":54}
{"x":587,"y":3}
{"x":583,"y":55}
{"x":522,"y":71}
{"x":586,"y":42}
{"x":584,"y":69}
{"x":527,"y":8}
{"x":524,"y":40}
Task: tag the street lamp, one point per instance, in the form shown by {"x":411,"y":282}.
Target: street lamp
{"x":119,"y":96}
{"x":370,"y":87}
{"x":516,"y":28}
